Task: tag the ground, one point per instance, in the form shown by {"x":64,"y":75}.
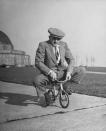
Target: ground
{"x":19,"y":111}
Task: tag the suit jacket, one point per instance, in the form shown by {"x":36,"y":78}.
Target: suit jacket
{"x":45,"y":58}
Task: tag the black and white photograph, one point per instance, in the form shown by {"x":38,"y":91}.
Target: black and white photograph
{"x":52,"y":65}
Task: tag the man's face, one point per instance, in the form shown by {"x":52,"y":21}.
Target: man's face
{"x":54,"y":40}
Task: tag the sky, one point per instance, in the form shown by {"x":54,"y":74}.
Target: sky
{"x":26,"y":22}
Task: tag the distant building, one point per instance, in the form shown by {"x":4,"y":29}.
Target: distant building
{"x":9,"y":56}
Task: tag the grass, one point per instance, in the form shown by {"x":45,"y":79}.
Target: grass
{"x":19,"y":75}
{"x":96,"y":69}
{"x":92,"y":84}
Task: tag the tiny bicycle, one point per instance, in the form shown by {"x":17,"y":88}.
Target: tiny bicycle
{"x":62,"y":94}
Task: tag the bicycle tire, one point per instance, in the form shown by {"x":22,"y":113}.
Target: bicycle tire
{"x":66,"y":99}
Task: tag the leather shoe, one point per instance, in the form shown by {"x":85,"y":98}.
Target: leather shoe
{"x":42,"y":101}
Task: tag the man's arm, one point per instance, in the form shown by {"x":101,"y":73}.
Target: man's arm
{"x":69,"y":58}
{"x":40,"y":57}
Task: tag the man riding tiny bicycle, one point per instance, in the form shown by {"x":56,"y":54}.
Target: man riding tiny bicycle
{"x":54,"y":60}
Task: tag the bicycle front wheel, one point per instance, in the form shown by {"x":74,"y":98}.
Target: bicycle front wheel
{"x":64,"y":99}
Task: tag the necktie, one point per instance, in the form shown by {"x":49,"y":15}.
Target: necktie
{"x":57,"y":54}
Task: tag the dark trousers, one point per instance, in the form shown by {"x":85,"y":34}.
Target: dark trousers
{"x":42,"y":81}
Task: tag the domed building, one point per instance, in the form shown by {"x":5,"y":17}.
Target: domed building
{"x":5,"y":43}
{"x":9,"y":56}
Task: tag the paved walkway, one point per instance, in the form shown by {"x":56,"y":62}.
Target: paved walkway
{"x":20,"y":101}
{"x":95,"y":72}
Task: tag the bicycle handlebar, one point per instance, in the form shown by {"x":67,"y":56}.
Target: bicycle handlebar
{"x":60,"y":81}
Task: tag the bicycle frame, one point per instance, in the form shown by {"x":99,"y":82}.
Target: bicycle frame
{"x":59,"y":94}
{"x":54,"y":84}
{"x":60,"y":83}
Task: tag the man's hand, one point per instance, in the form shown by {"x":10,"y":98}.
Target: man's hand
{"x":68,"y":76}
{"x":53,"y":75}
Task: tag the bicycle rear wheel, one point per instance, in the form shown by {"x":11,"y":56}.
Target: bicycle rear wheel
{"x":64,"y":99}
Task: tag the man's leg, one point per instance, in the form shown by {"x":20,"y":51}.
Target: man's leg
{"x":77,"y":76}
{"x":40,"y":83}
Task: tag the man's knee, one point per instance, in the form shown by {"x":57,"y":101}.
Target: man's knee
{"x":36,"y":81}
{"x":81,"y":70}
{"x":41,"y":80}
{"x":78,"y":74}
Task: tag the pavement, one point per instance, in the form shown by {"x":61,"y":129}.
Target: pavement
{"x":95,"y":72}
{"x":19,"y":102}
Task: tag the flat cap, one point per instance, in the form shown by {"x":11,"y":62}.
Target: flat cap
{"x":56,"y":32}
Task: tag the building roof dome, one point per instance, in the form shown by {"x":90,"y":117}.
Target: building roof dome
{"x":5,"y":41}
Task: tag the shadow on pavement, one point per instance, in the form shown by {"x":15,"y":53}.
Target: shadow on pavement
{"x":18,"y":99}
